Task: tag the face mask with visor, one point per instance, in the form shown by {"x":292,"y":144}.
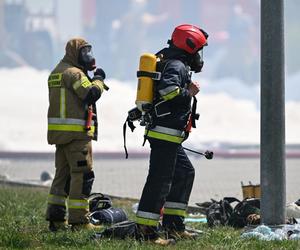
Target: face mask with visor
{"x":196,"y":62}
{"x":86,"y":58}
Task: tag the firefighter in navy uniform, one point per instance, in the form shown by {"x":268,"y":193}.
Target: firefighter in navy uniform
{"x":171,"y":174}
{"x":72,"y":124}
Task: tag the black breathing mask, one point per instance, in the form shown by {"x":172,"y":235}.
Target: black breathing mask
{"x":86,"y":58}
{"x":196,"y":61}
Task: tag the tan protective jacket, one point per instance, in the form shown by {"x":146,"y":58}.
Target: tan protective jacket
{"x":68,"y":86}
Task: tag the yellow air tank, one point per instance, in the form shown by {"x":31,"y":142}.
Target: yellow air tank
{"x":144,"y":96}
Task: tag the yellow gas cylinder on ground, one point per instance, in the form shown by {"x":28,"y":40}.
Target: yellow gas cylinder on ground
{"x":144,"y":96}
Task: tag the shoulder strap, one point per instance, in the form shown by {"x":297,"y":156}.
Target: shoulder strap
{"x":153,"y":75}
{"x":194,"y":115}
{"x":132,"y":127}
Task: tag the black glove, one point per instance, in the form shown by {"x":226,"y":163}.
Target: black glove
{"x":100,"y":73}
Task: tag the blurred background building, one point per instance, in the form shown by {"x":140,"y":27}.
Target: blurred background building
{"x":34,"y":32}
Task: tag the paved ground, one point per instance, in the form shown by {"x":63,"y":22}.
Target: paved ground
{"x":214,"y":179}
{"x":119,"y":177}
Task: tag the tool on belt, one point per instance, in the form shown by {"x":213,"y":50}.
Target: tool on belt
{"x":88,"y":124}
{"x":90,"y":114}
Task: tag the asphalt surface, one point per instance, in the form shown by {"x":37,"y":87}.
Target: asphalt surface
{"x":215,"y":178}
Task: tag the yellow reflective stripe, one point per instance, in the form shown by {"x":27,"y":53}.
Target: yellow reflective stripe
{"x":56,"y":200}
{"x":54,"y":80}
{"x":148,"y":222}
{"x":54,"y":84}
{"x":167,"y":90}
{"x":171,"y":211}
{"x":172,"y":94}
{"x":85,"y":82}
{"x":164,"y":137}
{"x":62,"y":103}
{"x":55,"y":77}
{"x":78,"y":204}
{"x":67,"y":127}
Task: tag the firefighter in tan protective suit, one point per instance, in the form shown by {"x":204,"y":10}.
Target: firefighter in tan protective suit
{"x":72,"y":124}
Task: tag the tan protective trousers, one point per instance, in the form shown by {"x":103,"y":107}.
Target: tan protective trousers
{"x":72,"y":183}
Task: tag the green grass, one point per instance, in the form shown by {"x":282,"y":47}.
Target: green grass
{"x":22,"y":226}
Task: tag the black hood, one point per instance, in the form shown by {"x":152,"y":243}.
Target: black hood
{"x":174,"y":53}
{"x":195,"y":61}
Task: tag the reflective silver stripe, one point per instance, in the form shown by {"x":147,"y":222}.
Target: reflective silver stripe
{"x":168,"y":90}
{"x":62,"y":102}
{"x":168,"y":131}
{"x":56,"y":199}
{"x":148,"y":215}
{"x":170,"y":204}
{"x":69,"y":121}
{"x":78,"y":204}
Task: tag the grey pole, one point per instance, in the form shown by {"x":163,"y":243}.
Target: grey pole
{"x":272,"y":159}
{"x":2,"y":33}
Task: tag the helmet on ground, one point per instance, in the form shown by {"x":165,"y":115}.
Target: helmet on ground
{"x":189,"y":38}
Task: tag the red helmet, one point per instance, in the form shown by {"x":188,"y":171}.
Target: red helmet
{"x":189,"y":37}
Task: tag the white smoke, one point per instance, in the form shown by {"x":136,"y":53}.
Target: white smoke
{"x":224,"y":117}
